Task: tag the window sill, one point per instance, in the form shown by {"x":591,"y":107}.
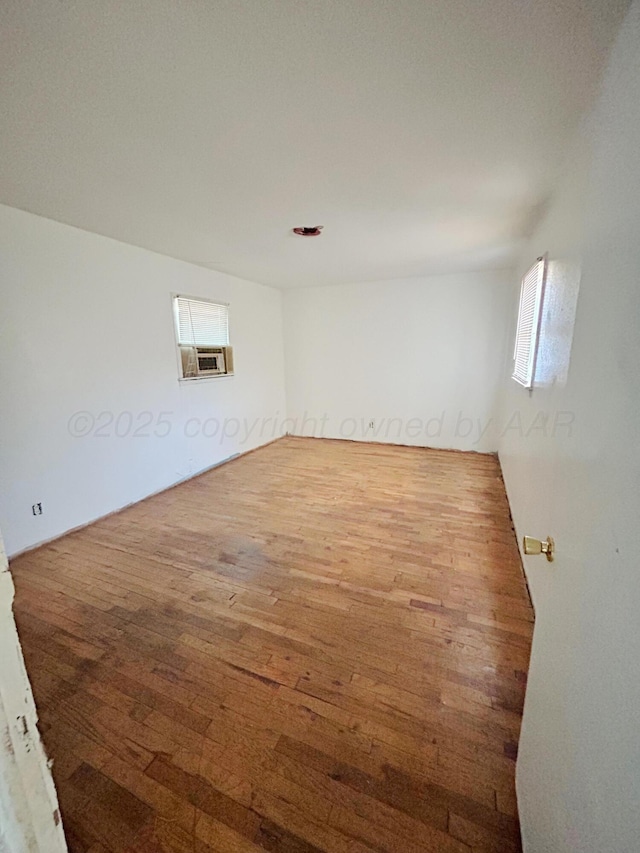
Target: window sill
{"x":206,"y":378}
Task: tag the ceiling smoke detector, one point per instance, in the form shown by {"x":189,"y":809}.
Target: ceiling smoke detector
{"x":309,"y":231}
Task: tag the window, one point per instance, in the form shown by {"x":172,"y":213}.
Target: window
{"x":529,"y":316}
{"x":202,"y":336}
{"x":201,"y":323}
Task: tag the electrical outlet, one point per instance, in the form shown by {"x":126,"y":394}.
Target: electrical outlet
{"x":371,"y":425}
{"x":36,"y":509}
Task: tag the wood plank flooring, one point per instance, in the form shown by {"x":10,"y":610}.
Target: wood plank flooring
{"x":320,"y":646}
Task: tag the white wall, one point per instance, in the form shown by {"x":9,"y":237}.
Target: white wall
{"x":578,"y":774}
{"x":86,"y":326}
{"x":421,"y":357}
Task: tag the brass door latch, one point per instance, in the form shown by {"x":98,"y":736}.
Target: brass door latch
{"x":536,"y":546}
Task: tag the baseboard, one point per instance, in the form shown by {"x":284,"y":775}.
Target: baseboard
{"x":395,"y":444}
{"x":517,"y":536}
{"x":179,"y":482}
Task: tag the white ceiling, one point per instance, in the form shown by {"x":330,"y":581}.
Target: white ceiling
{"x":423,"y":134}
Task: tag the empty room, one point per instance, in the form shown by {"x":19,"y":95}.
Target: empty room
{"x":319,"y":466}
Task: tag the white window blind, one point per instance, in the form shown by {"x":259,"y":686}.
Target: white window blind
{"x":201,"y":323}
{"x":529,"y":313}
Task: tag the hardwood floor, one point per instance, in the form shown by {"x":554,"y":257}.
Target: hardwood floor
{"x":321,"y":646}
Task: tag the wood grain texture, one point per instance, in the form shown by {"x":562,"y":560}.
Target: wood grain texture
{"x":321,"y":646}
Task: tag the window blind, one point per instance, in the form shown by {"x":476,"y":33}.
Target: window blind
{"x":201,"y":323}
{"x":529,"y":312}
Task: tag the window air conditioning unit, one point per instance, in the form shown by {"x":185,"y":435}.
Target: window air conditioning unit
{"x":198,"y":362}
